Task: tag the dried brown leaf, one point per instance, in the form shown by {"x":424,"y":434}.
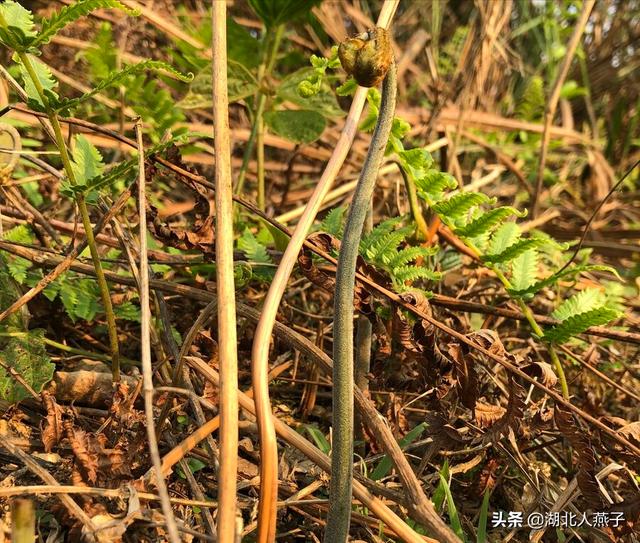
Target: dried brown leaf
{"x":487,"y":415}
{"x":583,"y":454}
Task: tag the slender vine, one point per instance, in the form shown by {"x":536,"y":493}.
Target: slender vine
{"x":368,"y":57}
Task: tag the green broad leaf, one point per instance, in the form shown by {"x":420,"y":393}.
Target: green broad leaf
{"x":299,"y":126}
{"x":242,"y":47}
{"x":457,"y":205}
{"x":27,"y":356}
{"x":115,"y":78}
{"x":514,"y":250}
{"x":577,"y":324}
{"x":68,"y":14}
{"x":240,"y":84}
{"x":276,"y":12}
{"x":322,"y":100}
{"x":552,"y":279}
{"x":45,"y":79}
{"x":524,"y":270}
{"x":506,"y":235}
{"x":280,"y":239}
{"x":385,"y":465}
{"x":318,"y":438}
{"x":17,"y":30}
{"x":486,"y":222}
{"x":585,"y":300}
{"x":87,"y":161}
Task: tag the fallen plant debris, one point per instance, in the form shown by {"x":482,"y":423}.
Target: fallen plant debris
{"x":172,"y":364}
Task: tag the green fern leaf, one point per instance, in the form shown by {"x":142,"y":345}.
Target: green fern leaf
{"x":577,"y":324}
{"x":379,"y":231}
{"x":403,"y":274}
{"x":514,"y":250}
{"x":457,"y":205}
{"x":432,"y":184}
{"x":531,"y":104}
{"x":26,"y":355}
{"x":115,"y":78}
{"x":487,"y":221}
{"x":17,"y":30}
{"x":45,"y":79}
{"x":385,"y":249}
{"x":552,"y":279}
{"x":253,"y":249}
{"x":69,"y":14}
{"x":409,"y":254}
{"x":87,"y":160}
{"x":127,"y":311}
{"x":524,"y":269}
{"x":506,"y":235}
{"x":585,"y":300}
{"x":333,"y":223}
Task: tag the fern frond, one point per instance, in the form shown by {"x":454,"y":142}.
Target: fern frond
{"x":409,"y":254}
{"x":552,"y":279}
{"x":432,"y":184}
{"x":585,"y":300}
{"x":531,"y":103}
{"x":253,"y":249}
{"x":69,"y":14}
{"x":487,"y":221}
{"x":412,"y":273}
{"x":457,"y":205}
{"x":514,"y":250}
{"x":378,"y":232}
{"x":524,"y":269}
{"x":577,"y":324}
{"x":507,"y":234}
{"x":333,"y":223}
{"x":385,"y":248}
{"x":115,"y":78}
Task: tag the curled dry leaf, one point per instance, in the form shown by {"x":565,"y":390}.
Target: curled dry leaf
{"x":543,"y":372}
{"x":465,"y":374}
{"x":514,"y":413}
{"x":487,"y":415}
{"x":52,"y":429}
{"x":583,"y":455}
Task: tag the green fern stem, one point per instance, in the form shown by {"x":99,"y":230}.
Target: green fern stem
{"x":526,"y":311}
{"x":422,"y":229}
{"x":339,"y":515}
{"x":86,"y":221}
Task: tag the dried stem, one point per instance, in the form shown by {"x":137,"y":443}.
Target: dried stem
{"x":228,"y":356}
{"x":145,"y":346}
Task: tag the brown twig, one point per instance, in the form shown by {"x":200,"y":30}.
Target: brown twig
{"x":145,"y":346}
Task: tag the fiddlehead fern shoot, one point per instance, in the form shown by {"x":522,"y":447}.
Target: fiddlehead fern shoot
{"x":368,"y":57}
